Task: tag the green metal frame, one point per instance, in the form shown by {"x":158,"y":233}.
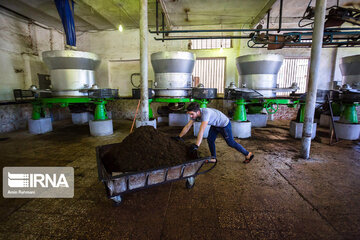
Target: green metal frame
{"x":203,"y":102}
{"x":347,"y":111}
{"x":40,"y":104}
{"x":259,"y":104}
{"x":302,"y":112}
{"x":170,"y":100}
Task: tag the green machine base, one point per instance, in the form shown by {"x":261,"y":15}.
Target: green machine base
{"x":40,"y":104}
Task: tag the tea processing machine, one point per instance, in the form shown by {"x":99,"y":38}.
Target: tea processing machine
{"x":173,"y":85}
{"x":73,"y":85}
{"x":348,"y":98}
{"x":258,"y":76}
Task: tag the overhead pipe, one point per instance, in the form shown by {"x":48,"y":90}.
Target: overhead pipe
{"x":254,"y":30}
{"x":332,"y":34}
{"x":163,"y":26}
{"x":157,"y":17}
{"x":205,"y":37}
{"x":316,"y":46}
{"x":280,"y":15}
{"x":268,"y":21}
{"x":164,"y":10}
{"x":144,"y":113}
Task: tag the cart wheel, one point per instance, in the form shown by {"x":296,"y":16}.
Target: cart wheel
{"x":116,"y":199}
{"x":190,"y":182}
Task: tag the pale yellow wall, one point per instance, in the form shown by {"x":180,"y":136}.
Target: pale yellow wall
{"x":21,"y":45}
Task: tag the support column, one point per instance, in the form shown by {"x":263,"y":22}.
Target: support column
{"x":39,"y":124}
{"x":101,"y":125}
{"x":314,"y":76}
{"x":144,"y":109}
{"x":240,"y":111}
{"x":241,"y":128}
{"x":100,"y":111}
{"x":36,"y":111}
{"x":203,"y":102}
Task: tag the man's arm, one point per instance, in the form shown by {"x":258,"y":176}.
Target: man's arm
{"x":186,"y":128}
{"x":201,"y":132}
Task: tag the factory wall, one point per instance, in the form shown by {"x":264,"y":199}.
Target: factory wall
{"x":21,"y":44}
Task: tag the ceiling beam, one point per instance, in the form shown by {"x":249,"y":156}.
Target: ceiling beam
{"x":89,"y":15}
{"x":110,"y":11}
{"x":32,"y":13}
{"x":166,"y":13}
{"x":262,"y":13}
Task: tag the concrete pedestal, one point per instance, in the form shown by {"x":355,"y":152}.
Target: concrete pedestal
{"x":40,"y":126}
{"x":178,"y":119}
{"x":145,"y":123}
{"x":347,"y":131}
{"x":296,"y":129}
{"x":101,"y":127}
{"x":325,"y":120}
{"x":196,"y":127}
{"x":241,"y":129}
{"x":80,"y":118}
{"x":257,"y":120}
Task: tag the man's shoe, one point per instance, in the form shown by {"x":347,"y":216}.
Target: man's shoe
{"x":249,"y":157}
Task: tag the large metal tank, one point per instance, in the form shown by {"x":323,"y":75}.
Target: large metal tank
{"x":259,"y":71}
{"x":350,"y":69}
{"x":72,"y":72}
{"x":173,"y":73}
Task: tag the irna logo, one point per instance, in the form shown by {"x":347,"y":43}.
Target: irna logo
{"x":38,"y":182}
{"x":33,"y":180}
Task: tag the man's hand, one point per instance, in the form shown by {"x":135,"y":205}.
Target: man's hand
{"x":193,"y":151}
{"x":178,"y":139}
{"x":193,"y":147}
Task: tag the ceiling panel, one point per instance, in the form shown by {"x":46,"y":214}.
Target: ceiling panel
{"x":108,"y":14}
{"x":214,"y":12}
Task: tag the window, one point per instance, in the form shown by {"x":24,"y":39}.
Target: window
{"x":210,"y":43}
{"x":210,"y":72}
{"x":293,"y":70}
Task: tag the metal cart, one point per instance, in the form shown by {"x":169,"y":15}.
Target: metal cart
{"x":118,"y":184}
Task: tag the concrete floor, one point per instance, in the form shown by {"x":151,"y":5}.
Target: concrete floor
{"x":277,"y":196}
